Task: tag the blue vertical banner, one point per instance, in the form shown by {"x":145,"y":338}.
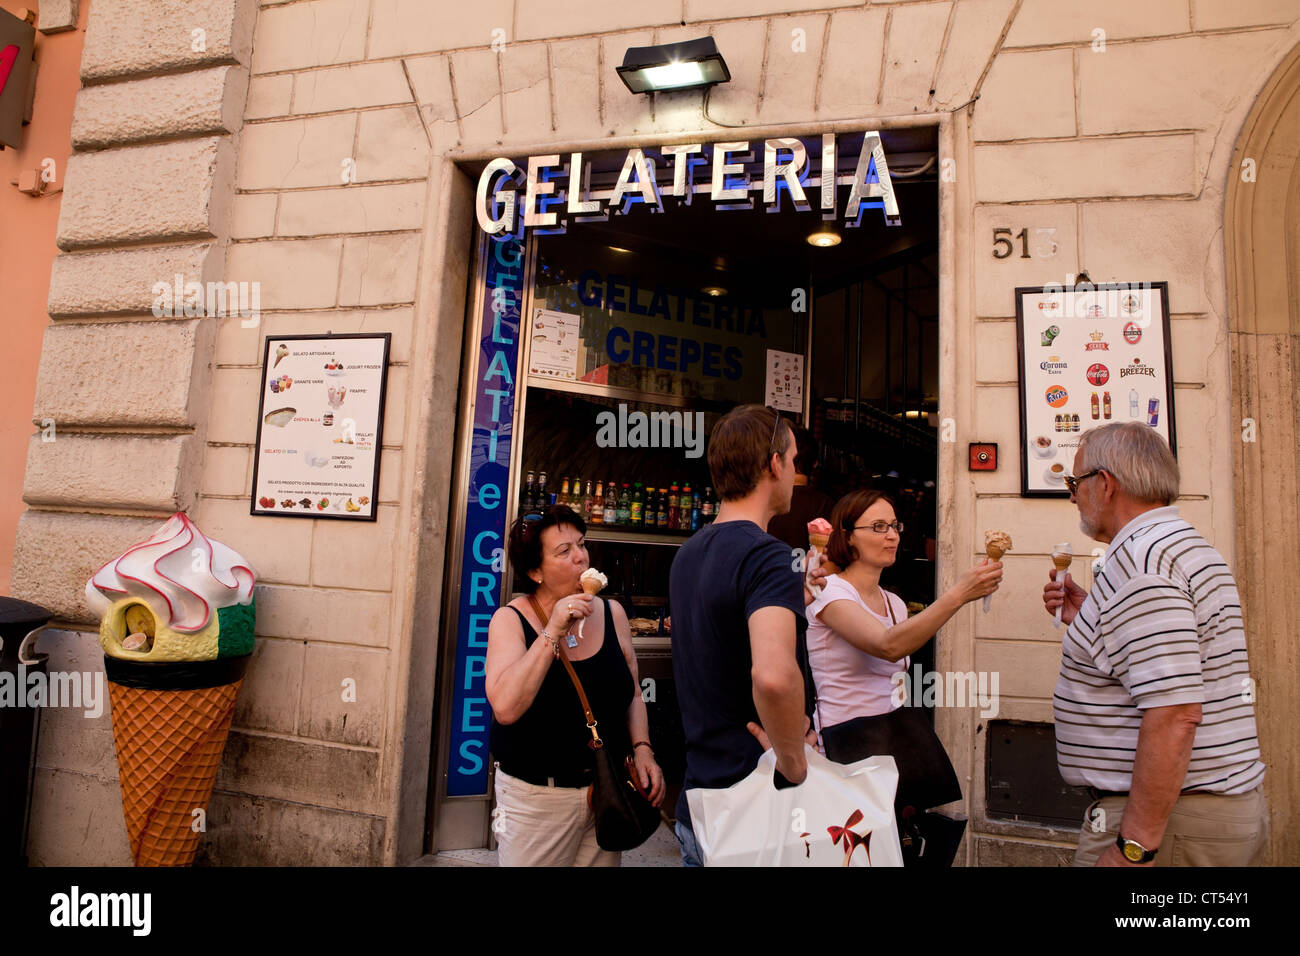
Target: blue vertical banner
{"x":486,"y":522}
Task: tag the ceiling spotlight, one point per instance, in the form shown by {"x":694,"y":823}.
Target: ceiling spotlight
{"x":673,"y":66}
{"x":714,"y":290}
{"x":824,"y":239}
{"x":620,"y":249}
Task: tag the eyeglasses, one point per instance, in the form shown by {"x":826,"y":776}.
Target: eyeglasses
{"x":880,"y":527}
{"x":1073,"y":483}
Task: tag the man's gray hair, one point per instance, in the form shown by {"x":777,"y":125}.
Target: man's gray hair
{"x":1136,"y":456}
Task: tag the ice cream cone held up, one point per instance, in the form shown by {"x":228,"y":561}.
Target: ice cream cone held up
{"x":996,"y":544}
{"x":593,"y":582}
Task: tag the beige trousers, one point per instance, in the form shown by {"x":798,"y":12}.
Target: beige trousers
{"x":1205,"y":829}
{"x":545,"y":826}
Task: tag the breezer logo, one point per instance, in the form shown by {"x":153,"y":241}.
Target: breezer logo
{"x":8,"y":57}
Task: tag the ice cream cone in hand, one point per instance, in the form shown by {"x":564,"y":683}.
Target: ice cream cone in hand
{"x":176,"y":625}
{"x":819,"y":536}
{"x":996,"y":544}
{"x":593,"y":582}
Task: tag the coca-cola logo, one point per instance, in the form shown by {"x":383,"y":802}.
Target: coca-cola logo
{"x":1098,"y":374}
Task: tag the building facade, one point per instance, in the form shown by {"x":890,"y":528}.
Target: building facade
{"x":329,"y":150}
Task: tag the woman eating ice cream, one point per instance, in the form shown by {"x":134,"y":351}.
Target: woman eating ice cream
{"x":859,"y":637}
{"x":539,"y":735}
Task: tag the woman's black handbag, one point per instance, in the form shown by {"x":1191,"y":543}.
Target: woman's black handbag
{"x":624,"y":818}
{"x":925,"y":775}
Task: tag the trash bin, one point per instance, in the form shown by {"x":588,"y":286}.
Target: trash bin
{"x":20,"y":622}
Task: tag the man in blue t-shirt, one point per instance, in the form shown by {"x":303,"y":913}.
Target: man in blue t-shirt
{"x":737,"y":597}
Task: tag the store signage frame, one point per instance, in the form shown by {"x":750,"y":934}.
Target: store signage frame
{"x":369,"y":511}
{"x":1094,"y":317}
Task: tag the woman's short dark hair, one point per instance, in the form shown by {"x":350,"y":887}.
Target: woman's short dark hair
{"x":525,"y":541}
{"x":844,"y":516}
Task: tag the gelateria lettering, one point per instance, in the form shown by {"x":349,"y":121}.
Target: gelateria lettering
{"x":557,"y":188}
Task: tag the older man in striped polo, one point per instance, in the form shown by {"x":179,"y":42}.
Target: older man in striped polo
{"x":1154,"y":706}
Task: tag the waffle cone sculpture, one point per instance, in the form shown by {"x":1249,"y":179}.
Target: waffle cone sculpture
{"x":176,"y":627}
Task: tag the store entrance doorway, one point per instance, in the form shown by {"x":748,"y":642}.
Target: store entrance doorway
{"x":679,"y":315}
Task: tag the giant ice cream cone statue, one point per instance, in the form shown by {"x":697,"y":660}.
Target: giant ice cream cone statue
{"x":176,"y":625}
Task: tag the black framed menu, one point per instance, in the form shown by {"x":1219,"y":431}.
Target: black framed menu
{"x":1089,"y":355}
{"x":320,"y":426}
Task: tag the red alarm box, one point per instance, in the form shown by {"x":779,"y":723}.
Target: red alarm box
{"x":983,"y":456}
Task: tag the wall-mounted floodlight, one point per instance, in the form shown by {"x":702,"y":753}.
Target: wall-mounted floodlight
{"x":674,"y":66}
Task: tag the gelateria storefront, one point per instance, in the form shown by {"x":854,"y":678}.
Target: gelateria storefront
{"x":620,"y":303}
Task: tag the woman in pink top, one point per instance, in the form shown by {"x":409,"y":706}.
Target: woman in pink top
{"x":856,"y":642}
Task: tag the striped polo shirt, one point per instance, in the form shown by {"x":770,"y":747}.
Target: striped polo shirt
{"x":1161,"y":626}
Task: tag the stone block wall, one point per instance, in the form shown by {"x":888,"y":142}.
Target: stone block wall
{"x":1111,"y":148}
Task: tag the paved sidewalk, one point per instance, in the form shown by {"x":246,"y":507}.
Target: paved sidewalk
{"x":660,"y":850}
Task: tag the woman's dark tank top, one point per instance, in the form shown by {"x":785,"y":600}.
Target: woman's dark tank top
{"x":550,"y":738}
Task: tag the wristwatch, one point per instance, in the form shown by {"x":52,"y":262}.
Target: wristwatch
{"x":1133,"y":851}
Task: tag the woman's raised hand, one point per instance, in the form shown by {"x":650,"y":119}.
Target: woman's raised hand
{"x":980,"y":580}
{"x":567,"y":610}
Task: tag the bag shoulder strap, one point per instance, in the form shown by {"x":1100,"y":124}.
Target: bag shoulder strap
{"x":596,"y":742}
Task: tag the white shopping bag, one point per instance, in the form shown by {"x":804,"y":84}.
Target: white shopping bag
{"x":841,"y":815}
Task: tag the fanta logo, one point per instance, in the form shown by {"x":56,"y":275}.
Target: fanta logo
{"x":1057,"y":396}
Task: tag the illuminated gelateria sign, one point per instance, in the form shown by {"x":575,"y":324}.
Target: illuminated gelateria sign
{"x":556,"y":189}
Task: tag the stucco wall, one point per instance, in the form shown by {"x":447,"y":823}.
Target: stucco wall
{"x":1123,"y":151}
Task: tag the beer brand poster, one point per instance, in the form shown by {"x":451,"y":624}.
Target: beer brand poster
{"x":320,"y":426}
{"x":1089,"y":356}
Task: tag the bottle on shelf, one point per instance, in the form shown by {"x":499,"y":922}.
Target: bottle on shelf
{"x":563,"y":499}
{"x":540,"y":499}
{"x":598,"y":505}
{"x":637,"y":511}
{"x":588,"y":502}
{"x":706,"y":506}
{"x":661,"y":509}
{"x":694,"y":498}
{"x":625,"y":506}
{"x":526,"y":496}
{"x":611,"y":504}
{"x":674,"y":509}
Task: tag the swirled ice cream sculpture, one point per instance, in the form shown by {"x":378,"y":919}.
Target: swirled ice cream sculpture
{"x":191,"y":597}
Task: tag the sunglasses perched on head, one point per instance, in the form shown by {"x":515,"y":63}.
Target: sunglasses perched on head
{"x":529,"y":522}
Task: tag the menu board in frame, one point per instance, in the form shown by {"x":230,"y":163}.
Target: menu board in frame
{"x":320,"y":426}
{"x":1089,"y":356}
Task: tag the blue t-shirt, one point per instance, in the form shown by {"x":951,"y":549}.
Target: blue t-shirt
{"x":721,"y":576}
